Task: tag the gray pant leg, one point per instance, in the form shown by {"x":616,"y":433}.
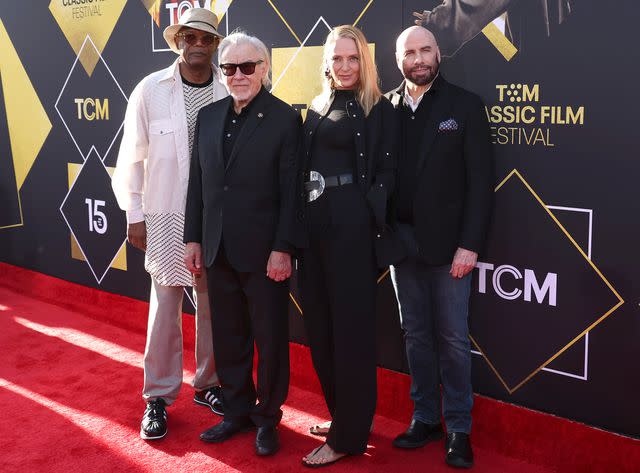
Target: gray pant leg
{"x":163,"y":351}
{"x":206,"y":375}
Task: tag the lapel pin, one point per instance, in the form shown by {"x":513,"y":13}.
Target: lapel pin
{"x":260,"y":115}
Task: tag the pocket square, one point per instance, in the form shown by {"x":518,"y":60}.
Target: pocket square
{"x":448,"y":125}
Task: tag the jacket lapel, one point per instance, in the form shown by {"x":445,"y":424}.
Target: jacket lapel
{"x":311,"y":123}
{"x":396,"y":96}
{"x":440,"y":108}
{"x":314,"y":119}
{"x":257,"y":114}
{"x":217,"y":129}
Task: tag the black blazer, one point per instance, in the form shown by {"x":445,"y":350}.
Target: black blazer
{"x":454,"y":192}
{"x":249,"y":204}
{"x":375,"y":146}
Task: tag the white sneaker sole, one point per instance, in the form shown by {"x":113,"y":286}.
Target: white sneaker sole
{"x":145,"y":436}
{"x":206,"y":404}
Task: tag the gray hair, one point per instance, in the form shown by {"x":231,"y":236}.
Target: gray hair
{"x":240,"y":37}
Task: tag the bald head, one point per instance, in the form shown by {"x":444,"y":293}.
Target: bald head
{"x":413,"y":34}
{"x":418,"y":55}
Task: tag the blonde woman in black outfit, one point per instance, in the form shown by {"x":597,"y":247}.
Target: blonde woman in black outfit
{"x":348,"y":174}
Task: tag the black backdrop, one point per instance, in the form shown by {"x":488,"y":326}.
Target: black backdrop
{"x":555,"y":312}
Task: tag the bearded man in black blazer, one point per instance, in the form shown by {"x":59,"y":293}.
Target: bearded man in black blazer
{"x":443,"y":205}
{"x":239,"y":223}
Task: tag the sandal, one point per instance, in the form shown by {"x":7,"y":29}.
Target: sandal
{"x":305,"y":462}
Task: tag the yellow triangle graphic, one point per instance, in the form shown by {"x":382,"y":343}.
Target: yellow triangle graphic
{"x":96,"y":19}
{"x":27,"y":120}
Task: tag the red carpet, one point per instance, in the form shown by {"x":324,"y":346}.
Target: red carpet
{"x":70,"y":382}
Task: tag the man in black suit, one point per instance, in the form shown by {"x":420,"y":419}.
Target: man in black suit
{"x":443,"y":205}
{"x":239,"y":224}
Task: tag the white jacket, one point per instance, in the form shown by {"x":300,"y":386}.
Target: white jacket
{"x":152,"y":172}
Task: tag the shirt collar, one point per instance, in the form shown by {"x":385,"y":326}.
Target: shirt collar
{"x":245,"y":110}
{"x":173,"y":72}
{"x":414,"y":104}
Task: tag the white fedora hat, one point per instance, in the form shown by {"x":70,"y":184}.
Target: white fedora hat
{"x":196,"y":18}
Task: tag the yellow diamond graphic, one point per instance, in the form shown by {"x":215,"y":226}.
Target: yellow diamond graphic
{"x":96,"y":19}
{"x":27,"y":120}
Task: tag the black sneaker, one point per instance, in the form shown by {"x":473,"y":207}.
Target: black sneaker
{"x":212,"y":398}
{"x":154,"y":420}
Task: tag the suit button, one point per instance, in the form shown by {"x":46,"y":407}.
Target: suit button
{"x":226,"y":188}
{"x":378,"y":235}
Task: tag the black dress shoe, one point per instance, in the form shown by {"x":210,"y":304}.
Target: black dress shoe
{"x":458,"y":448}
{"x":418,"y":434}
{"x":225,"y":430}
{"x":267,"y":442}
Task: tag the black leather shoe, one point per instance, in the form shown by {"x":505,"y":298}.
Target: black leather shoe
{"x":267,"y":442}
{"x":418,"y":434}
{"x":154,"y":421}
{"x":458,"y":448}
{"x":225,"y":430}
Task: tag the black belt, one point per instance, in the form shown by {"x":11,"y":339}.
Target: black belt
{"x":330,"y":181}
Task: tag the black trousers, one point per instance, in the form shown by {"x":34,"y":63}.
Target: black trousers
{"x":248,"y":307}
{"x":338,"y":287}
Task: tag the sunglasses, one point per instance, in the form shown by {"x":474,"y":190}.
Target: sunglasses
{"x":247,"y":68}
{"x":192,"y":38}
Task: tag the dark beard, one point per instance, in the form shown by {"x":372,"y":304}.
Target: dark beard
{"x":422,"y":80}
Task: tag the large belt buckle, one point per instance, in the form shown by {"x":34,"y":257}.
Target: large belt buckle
{"x":318,"y":186}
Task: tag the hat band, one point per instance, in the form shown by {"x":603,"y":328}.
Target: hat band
{"x":198,"y":21}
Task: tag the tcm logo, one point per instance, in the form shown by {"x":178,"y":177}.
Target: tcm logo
{"x":177,"y":8}
{"x":518,"y":92}
{"x":92,"y":109}
{"x":509,"y":283}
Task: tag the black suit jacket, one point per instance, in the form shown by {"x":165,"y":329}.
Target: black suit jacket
{"x":375,"y":145}
{"x":249,"y":204}
{"x":455,"y":168}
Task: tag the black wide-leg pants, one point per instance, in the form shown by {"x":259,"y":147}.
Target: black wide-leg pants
{"x":248,"y":307}
{"x":338,"y":286}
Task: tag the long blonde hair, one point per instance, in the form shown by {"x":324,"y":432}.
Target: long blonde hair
{"x":368,"y":91}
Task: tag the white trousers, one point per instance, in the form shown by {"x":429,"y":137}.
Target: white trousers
{"x":163,"y":351}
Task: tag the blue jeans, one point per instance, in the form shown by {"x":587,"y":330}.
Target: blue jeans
{"x":434,"y":317}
